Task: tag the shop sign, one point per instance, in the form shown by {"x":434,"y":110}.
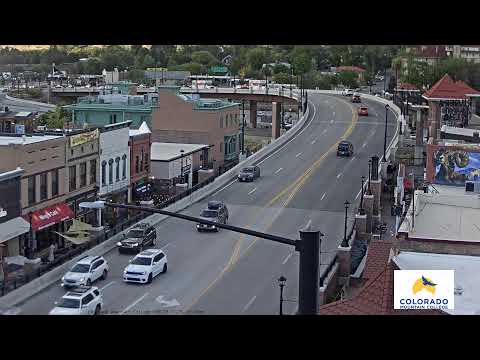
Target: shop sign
{"x":186,"y":169}
{"x":80,"y":139}
{"x":48,"y":215}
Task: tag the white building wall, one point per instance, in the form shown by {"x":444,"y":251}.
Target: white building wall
{"x":159,"y":169}
{"x":171,"y":169}
{"x":113,"y":144}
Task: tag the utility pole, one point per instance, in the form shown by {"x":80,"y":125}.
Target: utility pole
{"x":243,"y":127}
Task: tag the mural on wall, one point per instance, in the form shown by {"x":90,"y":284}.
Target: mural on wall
{"x":454,"y":167}
{"x":455,"y":113}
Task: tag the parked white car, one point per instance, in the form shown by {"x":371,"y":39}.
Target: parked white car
{"x":145,"y":266}
{"x":86,"y":271}
{"x":81,"y":301}
{"x":347,"y":92}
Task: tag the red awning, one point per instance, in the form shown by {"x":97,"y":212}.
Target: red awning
{"x":44,"y":218}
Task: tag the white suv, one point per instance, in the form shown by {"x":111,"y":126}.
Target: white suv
{"x":80,"y":301}
{"x":145,"y":266}
{"x":347,"y":92}
{"x":86,"y":271}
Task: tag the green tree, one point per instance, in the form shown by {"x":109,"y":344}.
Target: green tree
{"x":348,"y":79}
{"x":301,"y":60}
{"x":256,"y":57}
{"x":204,"y":58}
{"x":55,"y":119}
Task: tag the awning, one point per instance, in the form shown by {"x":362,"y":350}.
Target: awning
{"x":13,"y":228}
{"x":44,"y":218}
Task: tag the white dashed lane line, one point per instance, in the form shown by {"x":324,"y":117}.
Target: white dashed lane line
{"x":298,"y":154}
{"x":249,"y":303}
{"x":252,"y":191}
{"x":286,"y":259}
{"x":323,"y":196}
{"x":134,"y":303}
{"x":276,"y":172}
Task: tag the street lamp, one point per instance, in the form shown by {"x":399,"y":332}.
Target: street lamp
{"x":345,"y":241}
{"x":385,"y":138}
{"x":281,"y":282}
{"x":361,"y":211}
{"x":369,"y":175}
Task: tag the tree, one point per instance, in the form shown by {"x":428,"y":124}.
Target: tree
{"x":348,"y":79}
{"x":301,"y":60}
{"x":256,"y":57}
{"x":282,"y":78}
{"x":204,"y":58}
{"x":55,"y":119}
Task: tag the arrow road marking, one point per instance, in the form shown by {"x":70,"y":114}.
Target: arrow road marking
{"x":338,"y":176}
{"x":134,"y":303}
{"x":167,"y":303}
{"x":249,"y":303}
{"x":276,"y":172}
{"x":364,"y":144}
{"x":251,"y":192}
{"x":286,"y":259}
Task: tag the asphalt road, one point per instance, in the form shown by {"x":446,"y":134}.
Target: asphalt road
{"x":228,"y":273}
{"x":18,"y":105}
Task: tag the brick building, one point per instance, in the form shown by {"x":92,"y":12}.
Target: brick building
{"x":140,"y":147}
{"x":190,"y":120}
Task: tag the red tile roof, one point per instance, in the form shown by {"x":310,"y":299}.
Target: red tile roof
{"x":446,"y":88}
{"x":350,"y":68}
{"x":376,"y":296}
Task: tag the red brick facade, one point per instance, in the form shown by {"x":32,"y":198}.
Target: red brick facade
{"x":139,"y":149}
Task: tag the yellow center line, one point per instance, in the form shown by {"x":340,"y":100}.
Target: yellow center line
{"x":297,"y":184}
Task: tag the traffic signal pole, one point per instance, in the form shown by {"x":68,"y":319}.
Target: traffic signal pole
{"x":308,"y":246}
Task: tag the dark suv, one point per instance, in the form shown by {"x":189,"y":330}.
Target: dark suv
{"x":137,"y":238}
{"x":345,"y":148}
{"x":217,"y":212}
{"x":249,"y":173}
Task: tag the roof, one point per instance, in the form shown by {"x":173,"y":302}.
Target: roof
{"x":466,"y":275}
{"x":142,"y":130}
{"x":150,"y":252}
{"x":27,"y":140}
{"x":444,"y":216}
{"x":206,"y":104}
{"x":171,"y":151}
{"x":446,"y":88}
{"x":350,"y":68}
{"x":376,"y":296}
{"x":88,"y":259}
{"x":406,"y":86}
{"x":6,"y":175}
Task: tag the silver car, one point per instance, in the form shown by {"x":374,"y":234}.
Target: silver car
{"x":249,"y":173}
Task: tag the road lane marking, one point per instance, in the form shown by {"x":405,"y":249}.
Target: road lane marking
{"x":249,"y":303}
{"x":134,"y":303}
{"x":286,"y":259}
{"x":338,"y":176}
{"x":331,"y":121}
{"x":167,"y":245}
{"x":324,"y":131}
{"x":313,"y":142}
{"x":298,"y":154}
{"x":356,"y":197}
{"x":323,"y":196}
{"x":251,"y":192}
{"x":334,"y":114}
{"x":110,"y":283}
{"x":364,"y":144}
{"x":276,"y":172}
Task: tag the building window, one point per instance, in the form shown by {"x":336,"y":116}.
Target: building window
{"x":146,"y":162}
{"x":104,"y":172}
{"x":117,"y":169}
{"x":113,"y":118}
{"x":73,"y":177}
{"x":110,"y":171}
{"x":124,"y":167}
{"x":93,"y":171}
{"x":54,"y":182}
{"x":83,"y":174}
{"x":137,"y":163}
{"x":221,"y":146}
{"x":142,"y":159}
{"x":221,"y":121}
{"x":43,"y":186}
{"x":31,"y":190}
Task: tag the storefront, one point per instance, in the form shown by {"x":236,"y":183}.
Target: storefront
{"x":45,"y":223}
{"x":111,"y":216}
{"x":141,"y":190}
{"x":10,"y":233}
{"x":87,"y":216}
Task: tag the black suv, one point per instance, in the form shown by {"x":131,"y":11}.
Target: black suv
{"x":137,"y":238}
{"x":217,"y":212}
{"x":345,"y":148}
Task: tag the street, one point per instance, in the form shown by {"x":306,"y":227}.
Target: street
{"x":228,"y":273}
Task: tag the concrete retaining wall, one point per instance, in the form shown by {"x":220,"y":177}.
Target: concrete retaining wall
{"x":37,"y":103}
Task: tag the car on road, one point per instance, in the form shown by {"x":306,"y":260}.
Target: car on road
{"x":363,"y":111}
{"x":145,"y":266}
{"x":347,"y":92}
{"x":86,"y":271}
{"x":249,"y":173}
{"x":216,"y":211}
{"x":356,"y":98}
{"x":80,"y":301}
{"x":138,"y":237}
{"x":345,"y":148}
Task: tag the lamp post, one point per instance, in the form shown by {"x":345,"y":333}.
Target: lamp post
{"x":281,"y":282}
{"x":243,"y":127}
{"x":361,"y":211}
{"x":385,"y":137}
{"x":345,"y":240}
{"x":369,"y":175}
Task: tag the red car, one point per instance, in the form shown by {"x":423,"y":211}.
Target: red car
{"x":363,"y":111}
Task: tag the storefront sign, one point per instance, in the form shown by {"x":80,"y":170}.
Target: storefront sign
{"x":48,"y":215}
{"x":186,"y":169}
{"x":80,"y":139}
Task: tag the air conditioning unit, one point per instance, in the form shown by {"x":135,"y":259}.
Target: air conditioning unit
{"x":472,"y":186}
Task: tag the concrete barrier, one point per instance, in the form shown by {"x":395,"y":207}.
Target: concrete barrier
{"x":35,"y":286}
